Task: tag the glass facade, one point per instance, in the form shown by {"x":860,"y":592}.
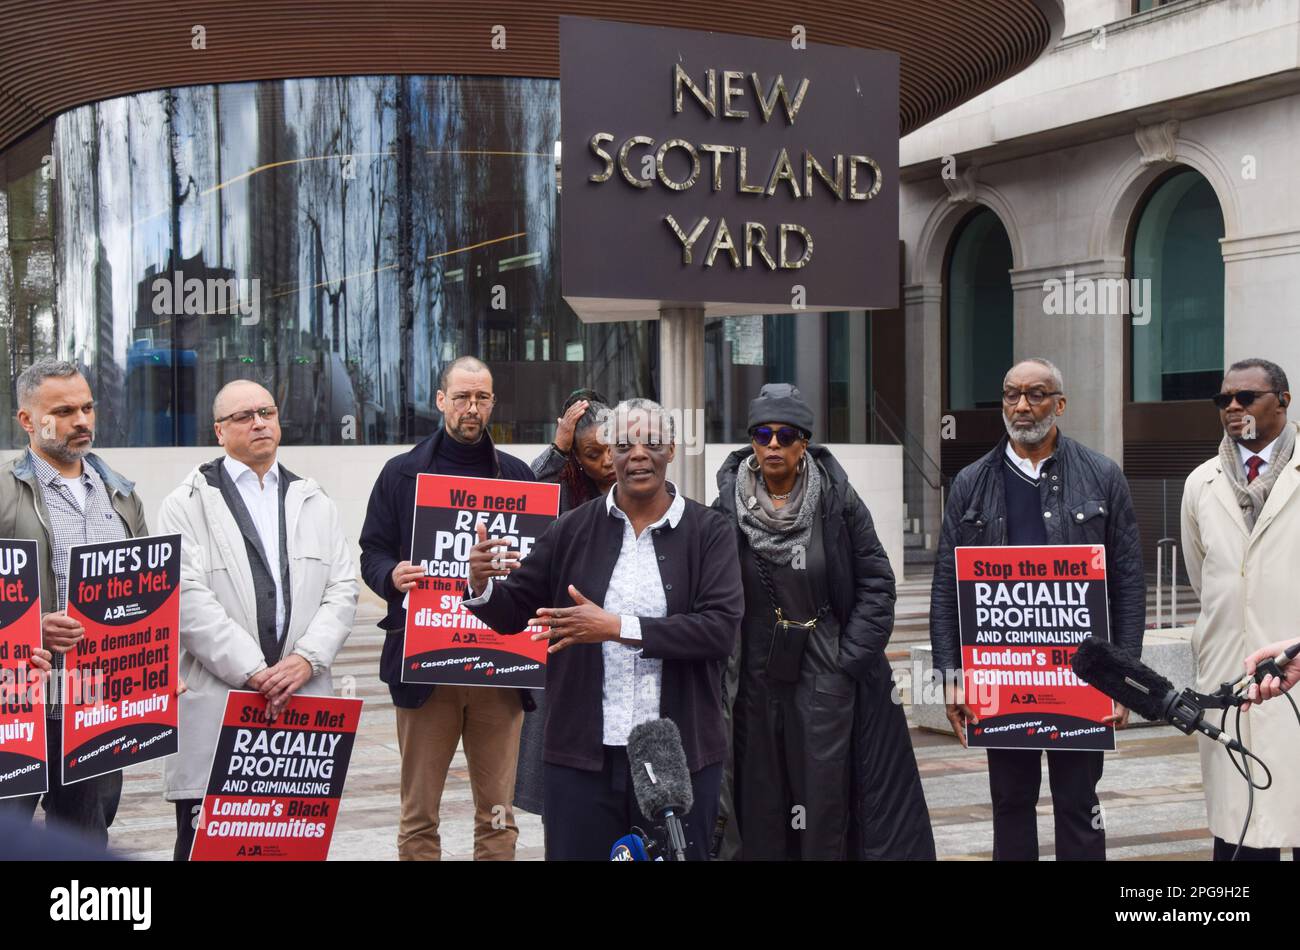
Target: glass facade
{"x":340,"y":240}
{"x":1176,"y":252}
{"x":981,"y":319}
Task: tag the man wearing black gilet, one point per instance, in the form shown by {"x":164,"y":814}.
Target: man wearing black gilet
{"x":432,"y":721}
{"x":1039,"y":487}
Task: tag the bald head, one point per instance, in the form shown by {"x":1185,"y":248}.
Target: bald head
{"x":237,"y":392}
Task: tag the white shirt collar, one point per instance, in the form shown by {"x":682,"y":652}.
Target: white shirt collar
{"x":237,"y":469}
{"x":1266,"y":453}
{"x":672,"y":515}
{"x":1026,"y":465}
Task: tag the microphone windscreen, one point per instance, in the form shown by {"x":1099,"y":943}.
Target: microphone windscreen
{"x":1110,"y":669}
{"x":629,"y":848}
{"x":657,"y":744}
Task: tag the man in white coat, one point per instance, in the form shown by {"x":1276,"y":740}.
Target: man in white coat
{"x":1241,"y":534}
{"x":268,"y":587}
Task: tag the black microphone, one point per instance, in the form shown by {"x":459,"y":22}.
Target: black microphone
{"x":1270,"y":667}
{"x":660,"y":779}
{"x":1133,"y":684}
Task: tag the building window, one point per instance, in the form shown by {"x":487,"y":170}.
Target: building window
{"x":338,"y":239}
{"x":826,"y":355}
{"x":980,"y":312}
{"x":1176,"y":257}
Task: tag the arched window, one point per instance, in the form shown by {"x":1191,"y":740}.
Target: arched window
{"x":1177,"y":343}
{"x":980,"y":314}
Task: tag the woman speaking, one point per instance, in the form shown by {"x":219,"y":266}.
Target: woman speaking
{"x":641,"y":591}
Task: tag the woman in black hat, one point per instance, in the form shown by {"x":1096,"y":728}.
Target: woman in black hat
{"x":823,"y":764}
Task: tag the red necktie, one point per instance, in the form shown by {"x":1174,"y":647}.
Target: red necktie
{"x":1252,"y":468}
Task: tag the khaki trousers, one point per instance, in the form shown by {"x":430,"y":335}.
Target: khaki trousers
{"x":488,"y":719}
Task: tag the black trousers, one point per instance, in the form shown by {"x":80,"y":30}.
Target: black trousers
{"x":187,"y":813}
{"x":86,"y":808}
{"x":1015,"y":776}
{"x":586,"y":812}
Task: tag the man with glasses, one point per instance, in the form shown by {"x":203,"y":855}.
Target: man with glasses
{"x":268,"y":587}
{"x":1241,"y":528}
{"x":1039,"y":487}
{"x":61,"y":494}
{"x":431,"y":721}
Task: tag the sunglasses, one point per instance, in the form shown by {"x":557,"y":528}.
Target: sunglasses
{"x":785,"y":436}
{"x":1244,"y":397}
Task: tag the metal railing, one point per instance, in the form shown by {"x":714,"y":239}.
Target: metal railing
{"x":913,"y":451}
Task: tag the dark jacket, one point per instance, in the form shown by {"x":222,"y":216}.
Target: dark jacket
{"x":860,"y":581}
{"x":701,"y":578}
{"x":1088,"y":499}
{"x":889,"y":819}
{"x":386,"y":540}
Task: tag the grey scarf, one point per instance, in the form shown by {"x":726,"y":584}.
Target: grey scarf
{"x":776,"y":533}
{"x":1252,"y":497}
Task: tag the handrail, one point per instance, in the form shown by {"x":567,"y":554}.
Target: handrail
{"x":900,"y":433}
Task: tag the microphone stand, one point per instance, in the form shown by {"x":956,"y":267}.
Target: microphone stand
{"x":676,"y":835}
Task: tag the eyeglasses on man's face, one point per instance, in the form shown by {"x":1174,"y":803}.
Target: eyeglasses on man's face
{"x":244,"y":416}
{"x":1244,"y":397}
{"x":1035,"y":397}
{"x":461,"y":401}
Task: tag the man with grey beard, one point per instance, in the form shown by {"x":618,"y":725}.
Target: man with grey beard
{"x":1038,"y":487}
{"x":61,"y":494}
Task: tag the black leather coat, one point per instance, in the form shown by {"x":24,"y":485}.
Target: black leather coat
{"x":888,"y":815}
{"x":1087,"y":497}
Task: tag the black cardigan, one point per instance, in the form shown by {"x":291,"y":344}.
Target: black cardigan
{"x":700,"y":573}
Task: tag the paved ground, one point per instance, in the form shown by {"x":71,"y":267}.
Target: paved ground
{"x":1151,"y":789}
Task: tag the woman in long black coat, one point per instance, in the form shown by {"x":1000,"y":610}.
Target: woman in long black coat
{"x":823,"y":766}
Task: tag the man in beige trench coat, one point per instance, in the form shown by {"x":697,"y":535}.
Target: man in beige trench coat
{"x":1241,"y":536}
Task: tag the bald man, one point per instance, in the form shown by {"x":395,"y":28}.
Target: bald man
{"x":268,"y":588}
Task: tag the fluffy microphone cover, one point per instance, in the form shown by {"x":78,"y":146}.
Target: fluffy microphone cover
{"x":659,"y":744}
{"x":1105,"y":666}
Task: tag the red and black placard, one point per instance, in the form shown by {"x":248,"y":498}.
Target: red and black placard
{"x":23,"y":766}
{"x":274,"y":789}
{"x":120,"y":706}
{"x":1023,"y":611}
{"x":445,"y":643}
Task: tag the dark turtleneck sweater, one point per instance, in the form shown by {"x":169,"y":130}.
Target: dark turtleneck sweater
{"x":472,"y":461}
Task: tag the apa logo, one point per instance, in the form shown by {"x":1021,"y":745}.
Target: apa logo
{"x":249,"y":851}
{"x":464,"y":638}
{"x":116,"y":613}
{"x":1028,"y":699}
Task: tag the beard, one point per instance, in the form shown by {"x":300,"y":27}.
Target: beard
{"x":1034,"y":435}
{"x":468,"y":435}
{"x":61,"y":450}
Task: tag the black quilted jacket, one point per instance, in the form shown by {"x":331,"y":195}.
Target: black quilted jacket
{"x":1088,"y":498}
